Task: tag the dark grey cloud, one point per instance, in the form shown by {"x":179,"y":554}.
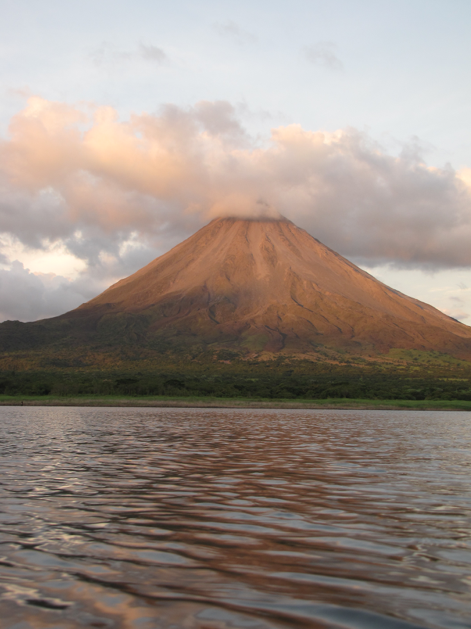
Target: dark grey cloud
{"x":323,"y":54}
{"x":36,"y":218}
{"x":376,"y":208}
{"x":27,"y":296}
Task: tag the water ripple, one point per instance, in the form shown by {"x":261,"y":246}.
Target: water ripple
{"x":138,"y":518}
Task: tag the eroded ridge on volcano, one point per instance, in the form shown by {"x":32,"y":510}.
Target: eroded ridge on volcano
{"x":267,"y":285}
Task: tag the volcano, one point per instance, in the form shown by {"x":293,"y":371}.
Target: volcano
{"x":254,"y":287}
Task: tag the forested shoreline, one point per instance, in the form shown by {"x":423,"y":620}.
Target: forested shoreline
{"x":257,"y":382}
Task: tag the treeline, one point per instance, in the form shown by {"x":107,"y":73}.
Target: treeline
{"x":288,"y":384}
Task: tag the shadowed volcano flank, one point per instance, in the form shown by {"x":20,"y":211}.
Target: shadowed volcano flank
{"x":266,"y":285}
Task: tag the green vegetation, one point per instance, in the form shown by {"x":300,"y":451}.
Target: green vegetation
{"x":279,"y":379}
{"x":136,"y":372}
{"x":218,"y":402}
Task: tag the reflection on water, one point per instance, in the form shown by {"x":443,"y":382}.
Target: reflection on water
{"x":149,"y":518}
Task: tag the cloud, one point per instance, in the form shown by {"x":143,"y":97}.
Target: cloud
{"x":231,"y":30}
{"x":152,"y":53}
{"x":116,"y":193}
{"x":458,"y":314}
{"x":30,"y":296}
{"x":108,"y":54}
{"x":322,"y":54}
{"x":219,"y":118}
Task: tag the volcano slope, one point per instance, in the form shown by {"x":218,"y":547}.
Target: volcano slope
{"x":255,"y":287}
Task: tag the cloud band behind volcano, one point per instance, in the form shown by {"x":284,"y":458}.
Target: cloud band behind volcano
{"x":81,"y":175}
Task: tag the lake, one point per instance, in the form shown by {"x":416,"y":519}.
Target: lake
{"x":222,"y":518}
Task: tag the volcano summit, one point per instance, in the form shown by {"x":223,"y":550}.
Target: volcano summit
{"x":254,"y":287}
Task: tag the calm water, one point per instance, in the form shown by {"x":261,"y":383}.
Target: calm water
{"x":149,"y":518}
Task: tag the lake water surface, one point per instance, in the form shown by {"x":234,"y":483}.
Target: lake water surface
{"x":168,"y":518}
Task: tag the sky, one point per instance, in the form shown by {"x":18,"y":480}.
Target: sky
{"x":126,"y":126}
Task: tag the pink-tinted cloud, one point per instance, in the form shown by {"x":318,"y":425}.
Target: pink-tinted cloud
{"x":82,"y":175}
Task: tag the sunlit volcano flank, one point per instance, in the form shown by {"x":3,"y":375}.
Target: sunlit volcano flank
{"x":256,"y":286}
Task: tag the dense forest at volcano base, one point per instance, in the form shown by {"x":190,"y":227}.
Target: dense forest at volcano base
{"x":406,"y":375}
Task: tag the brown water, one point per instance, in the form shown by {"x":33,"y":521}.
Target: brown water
{"x":149,"y":518}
